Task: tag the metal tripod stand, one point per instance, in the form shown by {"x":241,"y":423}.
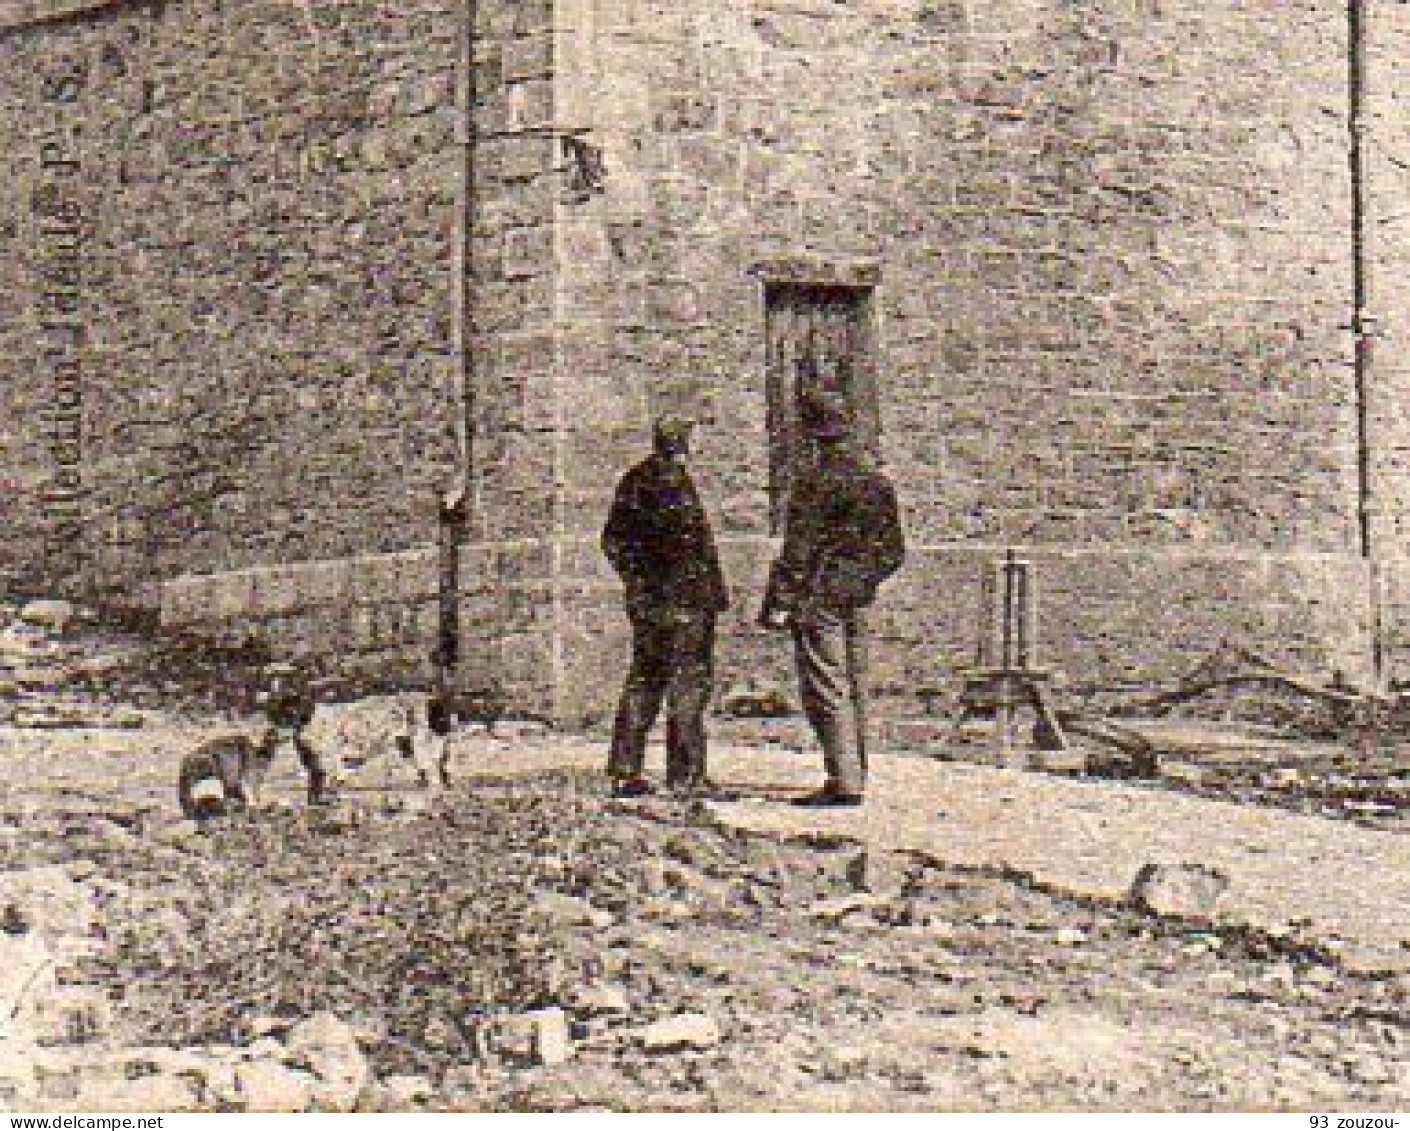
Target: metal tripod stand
{"x":1003,"y":680}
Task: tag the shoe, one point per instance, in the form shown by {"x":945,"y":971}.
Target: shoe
{"x":826,"y":798}
{"x":631,"y":787}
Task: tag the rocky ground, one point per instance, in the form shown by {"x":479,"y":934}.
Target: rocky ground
{"x":522,"y":942}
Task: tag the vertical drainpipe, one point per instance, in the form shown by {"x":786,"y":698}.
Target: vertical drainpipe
{"x":457,"y":517}
{"x":1363,"y":319}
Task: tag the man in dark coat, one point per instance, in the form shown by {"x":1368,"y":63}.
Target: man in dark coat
{"x":842,"y":540}
{"x":658,"y":540}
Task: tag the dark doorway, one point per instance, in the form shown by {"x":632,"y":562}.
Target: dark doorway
{"x":819,"y":343}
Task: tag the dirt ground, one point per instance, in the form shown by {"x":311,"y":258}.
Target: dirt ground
{"x":814,"y":972}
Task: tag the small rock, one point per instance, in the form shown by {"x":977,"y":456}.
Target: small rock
{"x":1367,"y":1068}
{"x":570,"y":911}
{"x":328,"y":1047}
{"x":756,"y":699}
{"x":552,"y":1044}
{"x":1285,"y":777}
{"x":537,"y":1037}
{"x":178,"y":833}
{"x":266,"y":1048}
{"x":841,"y":907}
{"x":269,"y":1086}
{"x":935,"y":927}
{"x":600,"y":1000}
{"x":51,"y":615}
{"x":845,"y":1062}
{"x":160,"y":1092}
{"x":153,"y":1060}
{"x":73,"y":1015}
{"x":881,"y":872}
{"x":1070,"y":936}
{"x":1322,"y":977}
{"x":662,"y":910}
{"x":692,"y":882}
{"x":270,"y":1026}
{"x":1185,"y":891}
{"x":685,"y":1031}
{"x":1321,"y":1044}
{"x":401,"y":1092}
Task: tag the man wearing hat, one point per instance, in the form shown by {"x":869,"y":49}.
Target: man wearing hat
{"x":658,"y":540}
{"x":843,"y":538}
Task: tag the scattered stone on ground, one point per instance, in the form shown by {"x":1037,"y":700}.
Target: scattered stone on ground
{"x":522,"y":943}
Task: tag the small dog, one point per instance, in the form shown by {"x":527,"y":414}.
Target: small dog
{"x":425,"y":740}
{"x":220,"y":777}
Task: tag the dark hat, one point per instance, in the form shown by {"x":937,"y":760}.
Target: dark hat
{"x":826,"y":418}
{"x":672,"y":431}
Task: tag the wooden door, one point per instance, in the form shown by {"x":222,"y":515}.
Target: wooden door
{"x":819,"y":345}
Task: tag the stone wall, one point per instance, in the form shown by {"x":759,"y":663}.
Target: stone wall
{"x":1112,"y":259}
{"x":1112,"y":317}
{"x":251,"y":351}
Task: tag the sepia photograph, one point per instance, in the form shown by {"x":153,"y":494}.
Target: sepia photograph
{"x":705,"y":556}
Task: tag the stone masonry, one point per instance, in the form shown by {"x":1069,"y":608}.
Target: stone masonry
{"x":258,"y":301}
{"x":1108,"y":250}
{"x":1113,"y":262}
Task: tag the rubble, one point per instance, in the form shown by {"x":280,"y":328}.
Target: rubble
{"x":390,"y":948}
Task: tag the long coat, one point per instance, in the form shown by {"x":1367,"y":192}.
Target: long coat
{"x":658,"y":539}
{"x":842,"y":540}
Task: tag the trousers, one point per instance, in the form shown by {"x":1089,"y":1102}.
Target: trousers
{"x":829,"y":651}
{"x":672,"y":664}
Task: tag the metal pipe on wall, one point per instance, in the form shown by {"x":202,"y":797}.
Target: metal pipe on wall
{"x":457,"y":514}
{"x":1364,"y":322}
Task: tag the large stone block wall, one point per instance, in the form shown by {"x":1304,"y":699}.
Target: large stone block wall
{"x":1115,"y":283}
{"x":1111,"y":245}
{"x":261,"y":366}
